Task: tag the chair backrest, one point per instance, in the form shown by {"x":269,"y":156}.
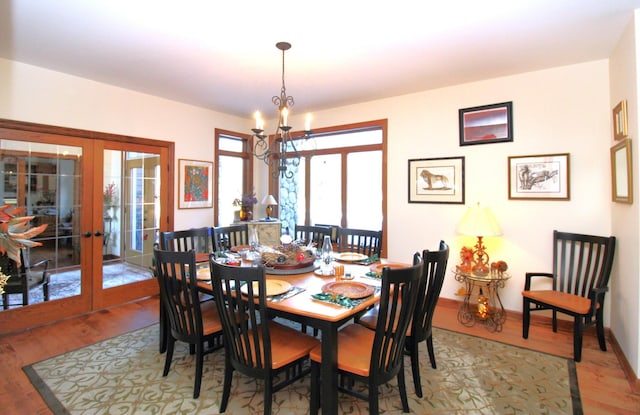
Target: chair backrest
{"x":582,"y":263}
{"x":398,"y":297}
{"x":241,"y":302}
{"x":196,"y":239}
{"x":175,"y":272}
{"x":334,"y":231}
{"x":360,"y":240}
{"x":311,"y":233}
{"x":433,"y":274}
{"x":226,"y":237}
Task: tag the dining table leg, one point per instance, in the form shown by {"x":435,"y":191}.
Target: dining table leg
{"x":329,"y":369}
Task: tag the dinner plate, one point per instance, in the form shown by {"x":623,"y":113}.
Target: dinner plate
{"x":350,"y":257}
{"x":274,"y":287}
{"x":203,"y":274}
{"x":349,"y":289}
{"x":378,"y":267}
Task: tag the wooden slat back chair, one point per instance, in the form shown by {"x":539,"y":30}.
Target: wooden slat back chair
{"x":420,"y":329}
{"x":362,"y":241}
{"x":190,"y":321}
{"x":312,"y":233}
{"x":24,"y":277}
{"x":196,"y":239}
{"x":581,"y":269}
{"x":226,"y":237}
{"x":375,"y":357}
{"x":334,"y":231}
{"x":255,"y":345}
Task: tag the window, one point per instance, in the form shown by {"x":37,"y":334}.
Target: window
{"x":341,"y":182}
{"x":234,"y":173}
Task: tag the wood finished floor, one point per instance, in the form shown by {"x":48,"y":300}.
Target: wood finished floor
{"x":604,"y":388}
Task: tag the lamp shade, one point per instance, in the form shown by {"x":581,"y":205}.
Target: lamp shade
{"x":479,"y":221}
{"x":269,"y":200}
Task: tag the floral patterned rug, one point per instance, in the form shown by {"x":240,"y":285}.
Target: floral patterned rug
{"x":475,"y":376}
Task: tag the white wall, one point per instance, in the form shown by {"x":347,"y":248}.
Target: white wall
{"x":561,"y":110}
{"x":33,"y":94}
{"x":625,"y":285}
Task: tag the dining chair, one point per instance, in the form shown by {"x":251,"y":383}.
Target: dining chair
{"x":579,"y":280}
{"x":24,"y":277}
{"x":420,"y":328}
{"x":362,"y":241}
{"x":197,"y":239}
{"x":334,"y":231}
{"x":375,"y":357}
{"x":255,"y":345}
{"x":226,"y":237}
{"x":311,"y":233}
{"x":190,"y":320}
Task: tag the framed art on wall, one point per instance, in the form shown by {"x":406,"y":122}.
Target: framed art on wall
{"x":195,"y":182}
{"x":486,"y":124}
{"x":542,"y":177}
{"x":621,"y":172}
{"x":620,"y":120}
{"x":436,"y":180}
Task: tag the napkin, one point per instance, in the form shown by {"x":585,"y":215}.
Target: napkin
{"x":373,"y":258}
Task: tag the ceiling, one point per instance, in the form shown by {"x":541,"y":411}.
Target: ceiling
{"x":222,"y":56}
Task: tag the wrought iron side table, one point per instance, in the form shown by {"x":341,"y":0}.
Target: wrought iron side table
{"x":488,"y":309}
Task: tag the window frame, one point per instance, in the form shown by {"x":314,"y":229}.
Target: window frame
{"x":247,"y":157}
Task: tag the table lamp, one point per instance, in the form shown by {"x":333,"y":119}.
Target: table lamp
{"x":269,"y":200}
{"x":480,"y":222}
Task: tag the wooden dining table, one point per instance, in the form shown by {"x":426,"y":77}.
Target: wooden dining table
{"x":326,"y":317}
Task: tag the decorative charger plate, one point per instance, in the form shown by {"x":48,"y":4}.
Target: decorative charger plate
{"x":378,"y":267}
{"x":302,"y":264}
{"x":349,"y":289}
{"x":274,"y":287}
{"x":350,"y":257}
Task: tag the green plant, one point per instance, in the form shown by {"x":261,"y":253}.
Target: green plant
{"x":16,"y":232}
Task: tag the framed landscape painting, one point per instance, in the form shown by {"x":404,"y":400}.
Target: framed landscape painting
{"x":542,"y":177}
{"x":195,"y":184}
{"x":436,"y":180}
{"x":486,"y":124}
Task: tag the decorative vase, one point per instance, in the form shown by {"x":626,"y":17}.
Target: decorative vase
{"x":246,"y":213}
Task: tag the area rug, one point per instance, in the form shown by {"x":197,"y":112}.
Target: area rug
{"x":123,"y":375}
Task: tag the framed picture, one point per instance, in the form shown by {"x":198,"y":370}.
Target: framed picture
{"x":542,"y":177}
{"x":436,"y":180}
{"x":195,"y":184}
{"x":621,"y":172}
{"x":486,"y":124}
{"x":620,"y":120}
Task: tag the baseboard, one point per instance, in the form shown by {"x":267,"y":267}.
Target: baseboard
{"x":565,"y":326}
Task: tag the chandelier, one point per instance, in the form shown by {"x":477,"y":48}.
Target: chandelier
{"x":284,"y":151}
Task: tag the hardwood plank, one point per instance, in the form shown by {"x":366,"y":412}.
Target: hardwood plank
{"x":604,"y":387}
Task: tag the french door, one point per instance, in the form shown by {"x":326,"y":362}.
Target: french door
{"x":104,"y":199}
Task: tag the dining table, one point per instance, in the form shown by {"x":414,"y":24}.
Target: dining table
{"x":327,"y":317}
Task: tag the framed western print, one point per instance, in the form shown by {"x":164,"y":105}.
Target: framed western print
{"x":436,"y":180}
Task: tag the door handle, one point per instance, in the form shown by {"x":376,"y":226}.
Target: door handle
{"x":98,"y":233}
{"x":87,"y":234}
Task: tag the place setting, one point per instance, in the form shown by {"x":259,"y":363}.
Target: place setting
{"x":276,"y":290}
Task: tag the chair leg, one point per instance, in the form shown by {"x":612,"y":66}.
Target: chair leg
{"x":268,"y":396}
{"x":554,"y":321}
{"x":164,"y":329}
{"x":167,"y":361}
{"x":403,"y":391}
{"x":526,"y":317}
{"x":226,"y":389}
{"x":432,"y":354}
{"x":374,"y":406}
{"x":5,"y":301}
{"x":315,"y":388}
{"x":199,"y":364}
{"x":415,"y":366}
{"x":577,"y":338}
{"x":600,"y":330}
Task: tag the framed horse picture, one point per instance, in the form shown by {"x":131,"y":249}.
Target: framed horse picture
{"x":436,"y":180}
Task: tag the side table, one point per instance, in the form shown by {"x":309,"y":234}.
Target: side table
{"x":488,"y":309}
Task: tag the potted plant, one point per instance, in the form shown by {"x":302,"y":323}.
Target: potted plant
{"x":246,"y":205}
